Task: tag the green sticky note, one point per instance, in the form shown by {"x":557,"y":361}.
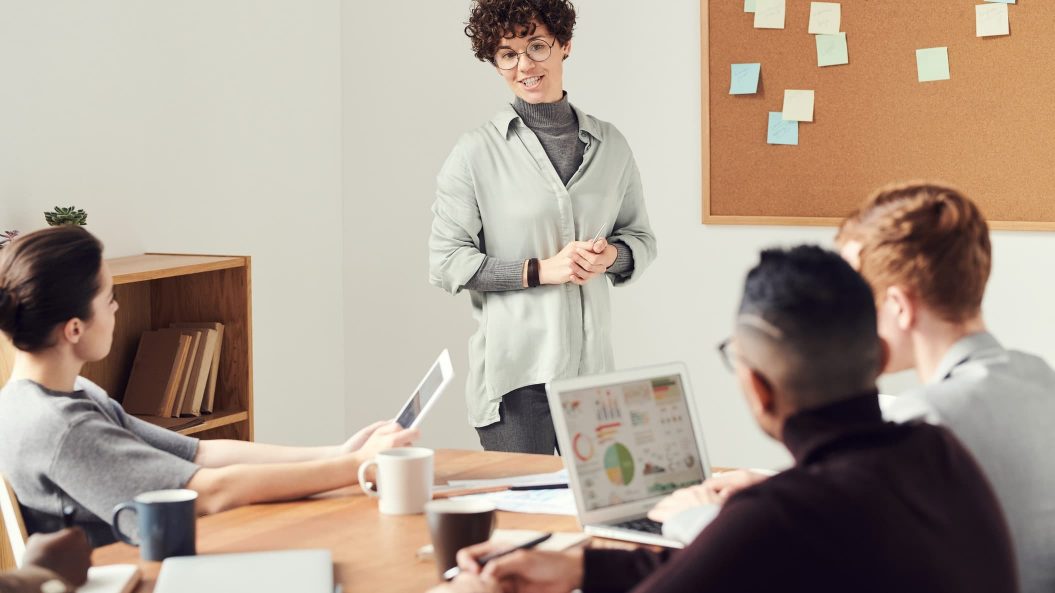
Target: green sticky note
{"x":782,"y":131}
{"x":744,"y":79}
{"x":932,"y":64}
{"x":749,"y":5}
{"x":831,"y":50}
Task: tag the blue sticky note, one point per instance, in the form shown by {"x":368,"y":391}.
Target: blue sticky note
{"x":782,"y":131}
{"x":932,"y":64}
{"x":744,"y":80}
{"x":749,"y":5}
{"x":831,"y":50}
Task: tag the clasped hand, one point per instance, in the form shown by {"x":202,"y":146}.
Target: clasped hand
{"x":578,"y":263}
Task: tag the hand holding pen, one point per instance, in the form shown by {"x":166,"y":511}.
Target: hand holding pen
{"x":596,"y":258}
{"x":65,"y":552}
{"x":482,"y":561}
{"x":530,"y":570}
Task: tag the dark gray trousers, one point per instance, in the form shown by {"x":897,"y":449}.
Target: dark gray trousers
{"x":525,"y":426}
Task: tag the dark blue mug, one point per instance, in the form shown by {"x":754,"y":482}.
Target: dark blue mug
{"x":166,"y":522}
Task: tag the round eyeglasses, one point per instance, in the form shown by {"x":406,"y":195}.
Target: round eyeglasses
{"x":537,"y":51}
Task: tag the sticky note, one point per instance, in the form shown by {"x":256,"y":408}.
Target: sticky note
{"x":1002,"y":1}
{"x":798,"y":105}
{"x":991,"y":20}
{"x":825,"y":17}
{"x":749,"y":5}
{"x":932,"y":64}
{"x":831,"y":50}
{"x":769,"y":14}
{"x":744,"y":80}
{"x":782,"y":131}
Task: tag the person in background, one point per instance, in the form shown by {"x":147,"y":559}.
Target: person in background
{"x":925,"y":250}
{"x":53,"y":563}
{"x":533,"y":211}
{"x":63,"y":441}
{"x":869,"y":506}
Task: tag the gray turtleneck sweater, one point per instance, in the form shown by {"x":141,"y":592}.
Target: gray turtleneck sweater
{"x":557,"y":129}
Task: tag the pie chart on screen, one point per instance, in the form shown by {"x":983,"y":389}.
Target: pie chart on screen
{"x":619,"y":464}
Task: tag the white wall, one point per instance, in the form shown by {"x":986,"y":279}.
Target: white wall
{"x":220,"y":127}
{"x":635,"y":64}
{"x":201,"y":127}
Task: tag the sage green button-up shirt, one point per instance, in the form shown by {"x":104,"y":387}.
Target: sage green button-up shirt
{"x":499,"y":195}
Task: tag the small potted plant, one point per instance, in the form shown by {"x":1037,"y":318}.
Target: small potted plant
{"x":6,"y":237}
{"x":68,"y":215}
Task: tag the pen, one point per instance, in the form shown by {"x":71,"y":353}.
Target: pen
{"x":67,"y":516}
{"x":482,"y":560}
{"x":598,"y":235}
{"x":539,"y":487}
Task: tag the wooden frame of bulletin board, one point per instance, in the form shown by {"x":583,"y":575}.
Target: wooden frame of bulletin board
{"x":989,"y":130}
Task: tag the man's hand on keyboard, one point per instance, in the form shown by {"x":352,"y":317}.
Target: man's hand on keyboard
{"x":715,"y":490}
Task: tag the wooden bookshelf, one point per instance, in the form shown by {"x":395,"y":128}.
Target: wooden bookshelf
{"x":155,"y":290}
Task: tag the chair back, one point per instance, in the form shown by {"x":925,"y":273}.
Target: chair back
{"x":14,"y":527}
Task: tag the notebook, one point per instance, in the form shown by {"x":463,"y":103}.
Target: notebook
{"x":115,"y":578}
{"x":287,"y":571}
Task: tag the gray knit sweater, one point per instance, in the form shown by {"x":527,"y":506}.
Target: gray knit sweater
{"x":557,"y":129}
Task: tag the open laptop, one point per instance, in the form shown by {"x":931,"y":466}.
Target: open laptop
{"x":285,"y":571}
{"x":628,"y":439}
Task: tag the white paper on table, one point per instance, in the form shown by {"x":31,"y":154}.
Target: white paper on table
{"x":554,"y":501}
{"x":559,"y":477}
{"x":558,"y":542}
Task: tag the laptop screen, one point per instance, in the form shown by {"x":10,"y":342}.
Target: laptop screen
{"x":631,"y":441}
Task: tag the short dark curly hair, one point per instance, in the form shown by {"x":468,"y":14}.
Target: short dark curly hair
{"x":491,"y":21}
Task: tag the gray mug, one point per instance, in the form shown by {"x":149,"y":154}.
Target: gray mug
{"x":166,"y":520}
{"x":456,"y":524}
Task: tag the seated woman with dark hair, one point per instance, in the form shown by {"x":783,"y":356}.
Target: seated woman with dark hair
{"x":63,"y":441}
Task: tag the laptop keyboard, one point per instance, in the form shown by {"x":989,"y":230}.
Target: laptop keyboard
{"x":643,"y":524}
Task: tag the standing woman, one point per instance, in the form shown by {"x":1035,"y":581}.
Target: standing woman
{"x":533,"y":209}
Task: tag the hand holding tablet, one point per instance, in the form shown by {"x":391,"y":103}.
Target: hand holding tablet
{"x":427,"y":392}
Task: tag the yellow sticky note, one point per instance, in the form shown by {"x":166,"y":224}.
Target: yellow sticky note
{"x":769,"y":14}
{"x":991,"y":20}
{"x":798,"y":105}
{"x":825,"y":17}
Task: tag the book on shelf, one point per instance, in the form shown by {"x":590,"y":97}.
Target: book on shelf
{"x":187,"y":379}
{"x":157,"y":372}
{"x":209,"y":396}
{"x":174,"y":423}
{"x":174,"y":374}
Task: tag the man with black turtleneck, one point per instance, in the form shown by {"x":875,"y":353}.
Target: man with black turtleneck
{"x":869,"y":506}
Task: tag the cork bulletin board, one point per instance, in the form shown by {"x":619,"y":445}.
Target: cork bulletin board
{"x":989,"y":130}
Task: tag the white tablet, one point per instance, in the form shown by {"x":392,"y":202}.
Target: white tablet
{"x":427,"y":392}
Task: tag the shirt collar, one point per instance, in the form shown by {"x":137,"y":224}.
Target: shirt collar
{"x":503,"y":122}
{"x":811,"y":433}
{"x":962,"y":351}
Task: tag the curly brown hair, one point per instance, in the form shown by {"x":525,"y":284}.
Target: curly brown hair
{"x":491,"y":21}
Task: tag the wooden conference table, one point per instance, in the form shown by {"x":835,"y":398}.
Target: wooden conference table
{"x":371,"y":551}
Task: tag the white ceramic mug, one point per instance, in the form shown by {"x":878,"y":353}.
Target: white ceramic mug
{"x":404,"y":480}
